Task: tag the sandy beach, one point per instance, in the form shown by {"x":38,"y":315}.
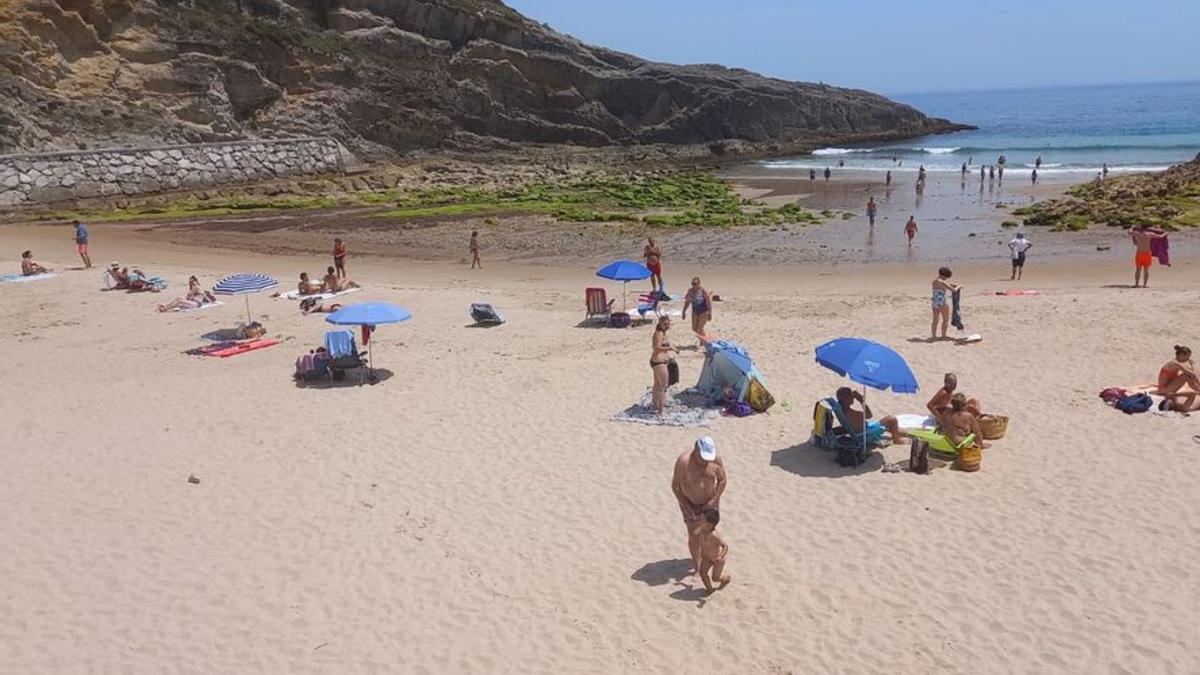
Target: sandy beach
{"x":479,"y":511}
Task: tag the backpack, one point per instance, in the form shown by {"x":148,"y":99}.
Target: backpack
{"x":757,"y":395}
{"x":1134,"y":403}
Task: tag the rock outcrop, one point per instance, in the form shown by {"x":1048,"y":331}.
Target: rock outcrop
{"x":384,"y":76}
{"x":1168,"y":200}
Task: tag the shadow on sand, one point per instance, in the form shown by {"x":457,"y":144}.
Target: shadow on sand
{"x":810,"y":461}
{"x":352,"y":379}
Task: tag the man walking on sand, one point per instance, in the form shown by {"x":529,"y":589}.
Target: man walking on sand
{"x":698,"y":482}
{"x":1142,"y":236}
{"x":1019,"y":245}
{"x":81,"y":242}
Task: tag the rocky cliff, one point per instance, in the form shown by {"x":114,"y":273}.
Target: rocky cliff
{"x":384,"y":76}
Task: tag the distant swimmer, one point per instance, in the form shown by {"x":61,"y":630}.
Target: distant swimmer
{"x":1037,"y":163}
{"x":1104,"y":171}
{"x":992,"y":172}
{"x":969,"y":158}
{"x":828,"y":173}
{"x":982,"y":173}
{"x":964,"y":171}
{"x":910,"y":229}
{"x":1001,"y":160}
{"x":1033,"y":177}
{"x":812,"y":174}
{"x":887,"y":180}
{"x":871,"y":210}
{"x":841,"y":162}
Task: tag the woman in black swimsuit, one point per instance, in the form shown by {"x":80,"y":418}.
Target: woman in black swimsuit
{"x":660,"y":356}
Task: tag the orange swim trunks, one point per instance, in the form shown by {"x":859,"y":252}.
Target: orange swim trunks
{"x":1142,"y":259}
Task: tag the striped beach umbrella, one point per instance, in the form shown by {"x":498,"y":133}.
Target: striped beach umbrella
{"x":245,"y":284}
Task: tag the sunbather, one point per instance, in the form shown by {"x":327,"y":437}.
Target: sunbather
{"x":30,"y":267}
{"x":195,"y":289}
{"x":119,"y":275}
{"x":940,"y":403}
{"x":306,"y":287}
{"x":1177,"y":379}
{"x":846,"y":398}
{"x":959,"y":423}
{"x":332,"y":284}
{"x":315,"y":306}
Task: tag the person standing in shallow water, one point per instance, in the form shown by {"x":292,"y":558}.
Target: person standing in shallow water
{"x":812,"y":174}
{"x":1033,"y":177}
{"x":887,"y":180}
{"x":871,"y":210}
{"x":910,"y":230}
{"x":828,"y":173}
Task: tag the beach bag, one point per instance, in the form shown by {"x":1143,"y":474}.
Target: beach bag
{"x":993,"y":427}
{"x":483,"y":313}
{"x":969,"y":459}
{"x":619,"y":320}
{"x":758,"y":397}
{"x":738,"y":409}
{"x":852,"y":455}
{"x":254,"y":330}
{"x":672,"y":373}
{"x":1134,"y":403}
{"x":918,"y":457}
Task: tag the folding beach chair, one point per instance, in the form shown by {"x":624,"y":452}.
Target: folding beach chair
{"x":598,"y":304}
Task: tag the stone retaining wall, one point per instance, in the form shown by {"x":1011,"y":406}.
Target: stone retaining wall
{"x":64,"y":176}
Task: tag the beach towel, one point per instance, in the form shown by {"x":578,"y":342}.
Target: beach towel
{"x":295,"y":294}
{"x":22,"y":278}
{"x":1159,"y":248}
{"x":955,"y":315}
{"x":224,"y":350}
{"x":911,"y":421}
{"x":688,"y":408}
{"x":197,"y":309}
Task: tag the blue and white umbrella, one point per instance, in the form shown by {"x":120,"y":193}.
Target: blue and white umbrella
{"x":245,"y":284}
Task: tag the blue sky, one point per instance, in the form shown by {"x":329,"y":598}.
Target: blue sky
{"x":901,"y":46}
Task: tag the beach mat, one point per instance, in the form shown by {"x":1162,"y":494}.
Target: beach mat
{"x":224,"y":350}
{"x":1016,"y":293}
{"x":688,"y":408}
{"x":22,"y":278}
{"x":295,"y":295}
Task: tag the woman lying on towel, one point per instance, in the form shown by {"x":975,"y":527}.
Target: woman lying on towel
{"x":195,"y":299}
{"x":30,"y":267}
{"x":1177,"y":380}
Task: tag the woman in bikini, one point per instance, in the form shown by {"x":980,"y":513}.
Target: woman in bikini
{"x":315,"y":306}
{"x":941,"y":303}
{"x":195,"y":299}
{"x":1177,"y":380}
{"x":30,"y":267}
{"x":701,"y":303}
{"x":660,"y":356}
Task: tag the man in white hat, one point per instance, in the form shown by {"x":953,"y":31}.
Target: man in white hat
{"x":698,"y":483}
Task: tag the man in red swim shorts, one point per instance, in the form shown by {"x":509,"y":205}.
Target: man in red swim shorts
{"x":81,"y":241}
{"x":1142,"y":236}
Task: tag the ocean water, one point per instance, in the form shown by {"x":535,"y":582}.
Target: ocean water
{"x":1075,"y":130}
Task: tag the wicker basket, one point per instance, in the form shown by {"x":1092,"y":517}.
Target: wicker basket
{"x":969,"y":459}
{"x":993,"y":426}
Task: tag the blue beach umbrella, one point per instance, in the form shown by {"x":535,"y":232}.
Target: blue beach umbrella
{"x":624,"y":271}
{"x":369,"y":315}
{"x":245,"y":284}
{"x":869,"y":364}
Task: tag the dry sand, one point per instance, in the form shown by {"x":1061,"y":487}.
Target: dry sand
{"x":479,"y":512}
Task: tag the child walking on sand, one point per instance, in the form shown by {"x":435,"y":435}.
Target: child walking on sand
{"x":475,"y":261}
{"x":713,"y":551}
{"x":910,"y":229}
{"x":339,"y":258}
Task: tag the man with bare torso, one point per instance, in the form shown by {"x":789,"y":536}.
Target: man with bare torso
{"x":1142,"y":236}
{"x":698,"y":482}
